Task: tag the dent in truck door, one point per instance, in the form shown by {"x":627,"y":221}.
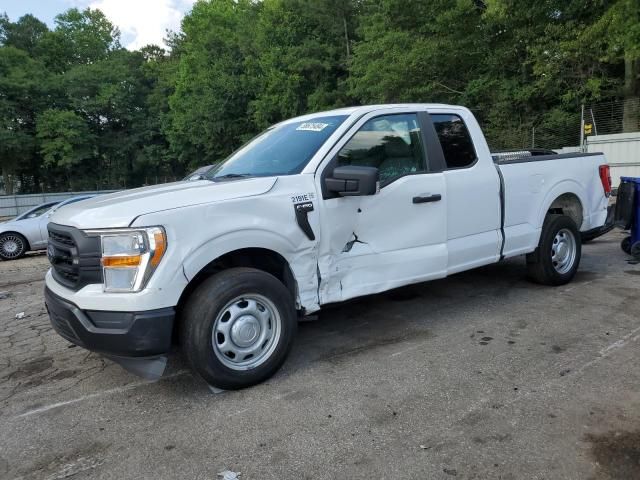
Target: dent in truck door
{"x":398,"y":236}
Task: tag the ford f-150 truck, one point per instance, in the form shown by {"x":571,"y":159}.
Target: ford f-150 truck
{"x":317,"y":209}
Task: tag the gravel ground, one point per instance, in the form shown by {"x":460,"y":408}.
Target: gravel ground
{"x":479,"y":376}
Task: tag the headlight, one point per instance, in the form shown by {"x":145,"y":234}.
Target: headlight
{"x":130,"y":256}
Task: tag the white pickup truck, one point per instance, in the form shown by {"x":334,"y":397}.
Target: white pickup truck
{"x":315,"y":210}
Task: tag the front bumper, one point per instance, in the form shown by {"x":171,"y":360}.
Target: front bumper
{"x":117,"y":335}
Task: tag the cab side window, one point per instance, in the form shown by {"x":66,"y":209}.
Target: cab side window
{"x":455,"y":140}
{"x":391,"y":143}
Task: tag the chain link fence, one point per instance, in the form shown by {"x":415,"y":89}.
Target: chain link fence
{"x":607,"y":118}
{"x":564,"y":132}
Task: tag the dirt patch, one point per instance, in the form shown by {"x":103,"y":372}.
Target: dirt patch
{"x":34,"y":367}
{"x":617,"y":454}
{"x":64,"y":374}
{"x":498,"y":438}
{"x":585,"y":276}
{"x":83,"y":460}
{"x":340,"y":354}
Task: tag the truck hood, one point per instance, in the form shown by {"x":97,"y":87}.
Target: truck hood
{"x":122,"y":208}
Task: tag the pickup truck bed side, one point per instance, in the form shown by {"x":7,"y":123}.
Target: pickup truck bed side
{"x":534,"y":187}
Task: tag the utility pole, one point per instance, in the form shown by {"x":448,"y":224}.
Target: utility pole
{"x":582,"y":128}
{"x":533,"y":137}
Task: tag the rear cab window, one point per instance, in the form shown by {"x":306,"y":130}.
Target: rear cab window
{"x":455,"y":140}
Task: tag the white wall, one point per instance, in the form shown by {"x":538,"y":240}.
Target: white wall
{"x":622,"y":151}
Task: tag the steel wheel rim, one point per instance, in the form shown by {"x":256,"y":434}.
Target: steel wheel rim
{"x":11,"y":246}
{"x":563,"y":251}
{"x":246,"y":332}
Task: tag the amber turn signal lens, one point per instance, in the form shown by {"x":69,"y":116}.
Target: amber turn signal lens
{"x":122,"y":261}
{"x":161,"y":246}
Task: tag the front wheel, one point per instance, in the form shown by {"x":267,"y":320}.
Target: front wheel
{"x":12,"y":246}
{"x":556,"y":260}
{"x":237,"y":328}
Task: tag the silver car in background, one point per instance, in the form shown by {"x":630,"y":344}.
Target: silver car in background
{"x":28,"y":231}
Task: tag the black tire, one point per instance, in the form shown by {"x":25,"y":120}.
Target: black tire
{"x":625,"y":245}
{"x":211,"y":299}
{"x":12,"y":239}
{"x":540,"y":265}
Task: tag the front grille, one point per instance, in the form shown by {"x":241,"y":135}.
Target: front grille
{"x":62,"y":238}
{"x":70,"y":277}
{"x":74,"y":256}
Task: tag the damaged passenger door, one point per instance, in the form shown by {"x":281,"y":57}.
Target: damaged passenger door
{"x":397,"y":236}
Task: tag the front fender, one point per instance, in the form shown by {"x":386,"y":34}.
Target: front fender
{"x":302,"y":261}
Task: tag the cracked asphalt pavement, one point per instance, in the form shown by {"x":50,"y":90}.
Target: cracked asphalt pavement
{"x":479,"y":376}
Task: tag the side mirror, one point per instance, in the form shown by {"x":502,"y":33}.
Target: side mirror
{"x":352,"y":180}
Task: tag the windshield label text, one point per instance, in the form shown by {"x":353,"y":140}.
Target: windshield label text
{"x":312,"y":126}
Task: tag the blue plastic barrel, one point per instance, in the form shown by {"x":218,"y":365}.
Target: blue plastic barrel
{"x":635,"y":223}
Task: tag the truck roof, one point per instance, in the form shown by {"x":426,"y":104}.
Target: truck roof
{"x":368,"y":108}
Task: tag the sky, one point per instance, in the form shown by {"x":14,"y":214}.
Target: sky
{"x":140,"y":21}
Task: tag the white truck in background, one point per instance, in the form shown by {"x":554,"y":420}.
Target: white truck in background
{"x":315,"y":210}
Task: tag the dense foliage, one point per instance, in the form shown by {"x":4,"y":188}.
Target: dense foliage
{"x":78,"y":111}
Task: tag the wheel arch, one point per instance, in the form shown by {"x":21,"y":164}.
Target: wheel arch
{"x":258,"y":249}
{"x":565,"y":198}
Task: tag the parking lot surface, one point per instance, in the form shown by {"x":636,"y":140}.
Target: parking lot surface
{"x":479,"y":376}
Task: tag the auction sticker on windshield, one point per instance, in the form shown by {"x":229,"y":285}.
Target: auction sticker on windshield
{"x":312,"y":126}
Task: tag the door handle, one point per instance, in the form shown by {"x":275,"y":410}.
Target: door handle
{"x":429,"y":198}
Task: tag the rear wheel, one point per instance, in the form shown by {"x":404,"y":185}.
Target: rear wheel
{"x":238,"y":327}
{"x":557,"y":257}
{"x":626,"y":245}
{"x":12,"y":246}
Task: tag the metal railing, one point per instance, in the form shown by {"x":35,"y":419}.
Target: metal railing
{"x":13,"y":205}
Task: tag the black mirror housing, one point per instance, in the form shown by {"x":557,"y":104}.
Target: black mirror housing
{"x":353,"y":180}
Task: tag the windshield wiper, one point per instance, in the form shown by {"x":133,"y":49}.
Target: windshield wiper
{"x":232,"y":176}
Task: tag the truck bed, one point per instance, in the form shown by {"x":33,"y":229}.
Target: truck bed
{"x":533,"y":155}
{"x":533,"y":180}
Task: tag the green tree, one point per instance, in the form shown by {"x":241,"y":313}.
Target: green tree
{"x":209,"y":105}
{"x":416,"y":51}
{"x":21,"y":98}
{"x":157,"y":160}
{"x":111,"y":96}
{"x":300,"y":60}
{"x":615,"y":35}
{"x":25,"y":34}
{"x":79,"y":38}
{"x":65,"y":141}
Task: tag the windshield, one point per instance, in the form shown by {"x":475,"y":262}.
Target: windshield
{"x":281,"y":150}
{"x":38,"y":211}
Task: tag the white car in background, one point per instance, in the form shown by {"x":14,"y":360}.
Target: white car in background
{"x":28,"y":231}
